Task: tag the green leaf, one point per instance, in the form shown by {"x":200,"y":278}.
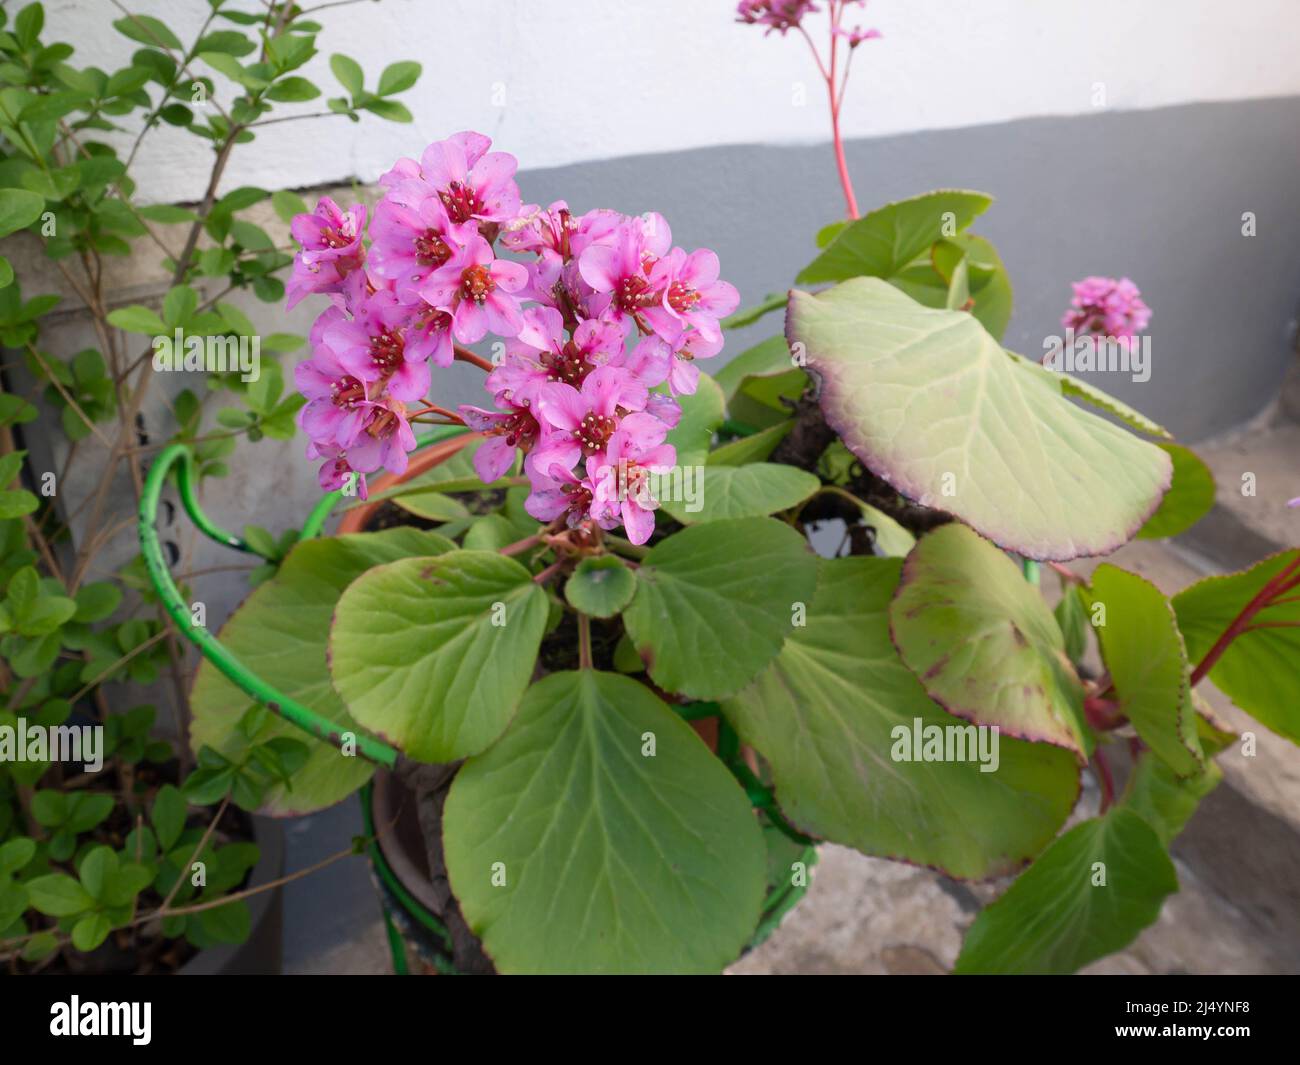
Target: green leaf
{"x":148,"y":30}
{"x":6,"y":273}
{"x":882,"y":243}
{"x":17,"y":503}
{"x":1258,"y":669}
{"x":434,"y":653}
{"x":292,"y":90}
{"x":1164,"y":800}
{"x":179,"y":304}
{"x":40,"y":946}
{"x":18,"y":209}
{"x":98,"y":868}
{"x":138,"y":319}
{"x":398,"y":77}
{"x":167,"y":214}
{"x":1072,"y":619}
{"x":1188,"y":500}
{"x":1078,"y":388}
{"x":600,"y":586}
{"x":928,"y":401}
{"x":752,"y":448}
{"x":928,"y":280}
{"x":231,"y":923}
{"x":836,"y":706}
{"x":701,"y":620}
{"x":982,"y":641}
{"x":749,"y":491}
{"x":16,"y":853}
{"x":348,"y":72}
{"x":614,"y":860}
{"x":433,"y":506}
{"x":390,"y":110}
{"x":1059,"y":916}
{"x":288,"y":204}
{"x":168,"y":816}
{"x":702,"y":413}
{"x":91,"y":931}
{"x":749,"y":315}
{"x":292,"y":657}
{"x":58,"y":895}
{"x":768,"y":359}
{"x":1144,"y":654}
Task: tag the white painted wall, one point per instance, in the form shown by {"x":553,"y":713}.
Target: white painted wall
{"x":589,"y":79}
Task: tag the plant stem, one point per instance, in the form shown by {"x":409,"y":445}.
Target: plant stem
{"x":584,"y":642}
{"x":465,"y":355}
{"x":1281,"y":582}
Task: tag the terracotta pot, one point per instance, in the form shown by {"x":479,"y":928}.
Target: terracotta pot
{"x":356,"y":519}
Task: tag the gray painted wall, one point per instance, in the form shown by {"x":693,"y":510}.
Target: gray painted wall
{"x":1154,"y":195}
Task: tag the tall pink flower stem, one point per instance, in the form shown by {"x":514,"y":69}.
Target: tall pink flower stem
{"x":835,"y":85}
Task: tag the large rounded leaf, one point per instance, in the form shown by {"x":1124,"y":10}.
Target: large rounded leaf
{"x":1260,"y":670}
{"x":1188,"y":500}
{"x":714,"y":602}
{"x":434,"y":653}
{"x":1144,"y":653}
{"x":753,"y":490}
{"x":1089,"y":895}
{"x":280,"y":633}
{"x":837,"y":704}
{"x":932,"y":404}
{"x":599,"y":835}
{"x":983,"y":642}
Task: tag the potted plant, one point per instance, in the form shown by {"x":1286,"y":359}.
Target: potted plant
{"x":522,"y":648}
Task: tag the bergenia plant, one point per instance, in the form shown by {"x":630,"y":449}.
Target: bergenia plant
{"x":626,"y":691}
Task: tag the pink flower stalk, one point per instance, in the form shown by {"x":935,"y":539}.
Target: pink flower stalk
{"x":604,"y":309}
{"x":1107,"y":307}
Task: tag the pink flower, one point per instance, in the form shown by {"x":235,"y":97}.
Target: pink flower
{"x":477,"y":290}
{"x":471,"y":181}
{"x":371,"y":347}
{"x":331,"y":249}
{"x":335,"y":470}
{"x":581,"y":421}
{"x":692,"y":295}
{"x":336,"y":400}
{"x":624,"y":266}
{"x":857,"y":35}
{"x":622,"y":475}
{"x":514,"y":427}
{"x":558,"y":492}
{"x":1104,"y":306}
{"x":410,"y":243}
{"x":779,"y":15}
{"x":385,"y":442}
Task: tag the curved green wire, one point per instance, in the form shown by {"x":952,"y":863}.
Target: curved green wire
{"x":181,"y":457}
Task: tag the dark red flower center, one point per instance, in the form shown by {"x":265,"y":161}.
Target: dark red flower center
{"x":386,"y":351}
{"x":461,"y":201}
{"x":682,"y":297}
{"x":595,"y":430}
{"x":476,"y":283}
{"x":431,"y":249}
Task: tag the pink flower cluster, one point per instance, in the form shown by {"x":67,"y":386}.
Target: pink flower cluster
{"x":1104,"y":306}
{"x":602,"y":310}
{"x":782,"y":16}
